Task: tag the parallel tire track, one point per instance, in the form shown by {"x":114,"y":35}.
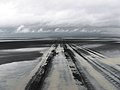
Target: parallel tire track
{"x":37,"y":80}
{"x":79,"y":74}
{"x":110,"y":75}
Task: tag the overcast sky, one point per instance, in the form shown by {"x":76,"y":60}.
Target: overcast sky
{"x":60,"y":12}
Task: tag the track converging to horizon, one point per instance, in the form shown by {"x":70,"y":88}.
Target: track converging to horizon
{"x":71,"y":67}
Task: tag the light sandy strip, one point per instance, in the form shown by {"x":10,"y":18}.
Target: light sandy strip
{"x":24,"y":81}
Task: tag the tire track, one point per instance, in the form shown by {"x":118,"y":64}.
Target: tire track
{"x":109,"y":74}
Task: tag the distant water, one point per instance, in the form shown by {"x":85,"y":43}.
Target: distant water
{"x":11,"y":74}
{"x":9,"y":40}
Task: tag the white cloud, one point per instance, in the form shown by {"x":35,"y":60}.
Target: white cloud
{"x":59,"y":12}
{"x":40,"y":30}
{"x":23,"y":29}
{"x":20,"y":28}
